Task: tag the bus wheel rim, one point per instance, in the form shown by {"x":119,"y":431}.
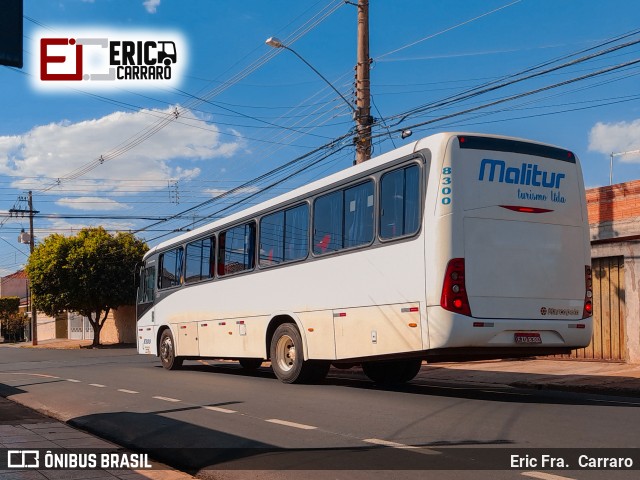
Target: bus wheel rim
{"x":285,"y":353}
{"x":167,"y":348}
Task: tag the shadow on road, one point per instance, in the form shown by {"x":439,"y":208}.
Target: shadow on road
{"x":204,"y":448}
{"x":507,"y":387}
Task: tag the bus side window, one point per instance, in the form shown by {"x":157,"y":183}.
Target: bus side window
{"x":400,"y":202}
{"x":147,"y":283}
{"x":327,"y":223}
{"x":198,"y":260}
{"x":358,"y":215}
{"x":236,"y":250}
{"x":171,"y":268}
{"x":271,"y":239}
{"x":296,"y":233}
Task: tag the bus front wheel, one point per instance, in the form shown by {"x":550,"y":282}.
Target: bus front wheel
{"x":392,"y":372}
{"x":287,"y":360}
{"x":168,"y":353}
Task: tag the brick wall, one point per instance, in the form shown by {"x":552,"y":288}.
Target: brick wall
{"x":614,"y":202}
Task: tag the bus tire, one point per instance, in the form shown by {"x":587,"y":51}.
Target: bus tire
{"x":287,"y":360}
{"x":167,"y":352}
{"x":250,"y":363}
{"x":392,"y":372}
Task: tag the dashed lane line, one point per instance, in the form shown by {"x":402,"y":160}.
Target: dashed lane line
{"x":31,"y":374}
{"x":219,"y":409}
{"x":401,"y":446}
{"x":545,"y":476}
{"x":73,"y":380}
{"x":167,"y":399}
{"x":124,"y":390}
{"x":99,"y":385}
{"x":301,"y":426}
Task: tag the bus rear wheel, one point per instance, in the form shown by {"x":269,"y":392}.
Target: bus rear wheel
{"x":250,"y":363}
{"x":167,"y":352}
{"x":392,"y":372}
{"x":287,"y":359}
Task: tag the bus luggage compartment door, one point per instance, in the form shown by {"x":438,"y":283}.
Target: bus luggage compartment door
{"x":187,"y":339}
{"x":379,"y":330}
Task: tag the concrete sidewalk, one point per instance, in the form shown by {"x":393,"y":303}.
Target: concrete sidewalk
{"x":23,"y":428}
{"x":606,"y":378}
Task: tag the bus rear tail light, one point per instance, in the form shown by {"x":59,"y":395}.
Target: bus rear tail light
{"x":588,"y":296}
{"x":520,"y":209}
{"x":454,"y":293}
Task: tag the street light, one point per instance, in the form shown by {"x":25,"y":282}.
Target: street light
{"x":276,"y":43}
{"x":617,"y":154}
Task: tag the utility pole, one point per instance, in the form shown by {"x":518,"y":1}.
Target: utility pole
{"x":31,"y":212}
{"x":363,"y":87}
{"x":34,"y":317}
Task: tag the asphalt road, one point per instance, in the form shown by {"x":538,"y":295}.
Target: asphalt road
{"x":218,"y":420}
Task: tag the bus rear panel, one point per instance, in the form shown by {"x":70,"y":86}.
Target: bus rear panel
{"x":513,"y":217}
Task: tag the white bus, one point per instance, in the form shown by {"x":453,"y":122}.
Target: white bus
{"x":454,"y":247}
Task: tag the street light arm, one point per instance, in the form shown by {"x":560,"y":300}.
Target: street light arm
{"x":275,"y":43}
{"x":322,"y":77}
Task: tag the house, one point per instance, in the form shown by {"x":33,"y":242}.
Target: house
{"x":614,"y":221}
{"x":120,"y":326}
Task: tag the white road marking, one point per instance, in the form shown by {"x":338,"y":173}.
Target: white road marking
{"x":291,"y":424}
{"x":402,"y":446}
{"x":31,"y":374}
{"x":220,"y":409}
{"x":545,"y":476}
{"x":73,"y":380}
{"x":99,"y":385}
{"x":124,"y":390}
{"x":168,"y":399}
{"x":613,"y":401}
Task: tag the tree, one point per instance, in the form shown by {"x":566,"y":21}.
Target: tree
{"x":89,"y":273}
{"x":11,"y":322}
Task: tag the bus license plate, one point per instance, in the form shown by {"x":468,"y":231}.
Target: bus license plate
{"x":528,"y":338}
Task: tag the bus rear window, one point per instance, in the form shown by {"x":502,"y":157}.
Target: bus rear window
{"x":515,"y":146}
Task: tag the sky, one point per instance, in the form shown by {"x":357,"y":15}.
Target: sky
{"x":245,"y":121}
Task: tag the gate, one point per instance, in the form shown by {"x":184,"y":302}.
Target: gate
{"x":608,"y":341}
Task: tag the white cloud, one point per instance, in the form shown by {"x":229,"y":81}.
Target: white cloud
{"x":92,"y":203}
{"x":57,"y":149}
{"x":151,"y":5}
{"x":617,"y":137}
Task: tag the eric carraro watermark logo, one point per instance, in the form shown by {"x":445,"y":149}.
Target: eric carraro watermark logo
{"x":100,"y":59}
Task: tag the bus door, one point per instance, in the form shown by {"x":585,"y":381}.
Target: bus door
{"x":145,"y":309}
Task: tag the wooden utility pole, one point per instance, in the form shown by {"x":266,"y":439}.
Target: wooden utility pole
{"x":20,"y":212}
{"x":34,"y":318}
{"x":363,"y":87}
